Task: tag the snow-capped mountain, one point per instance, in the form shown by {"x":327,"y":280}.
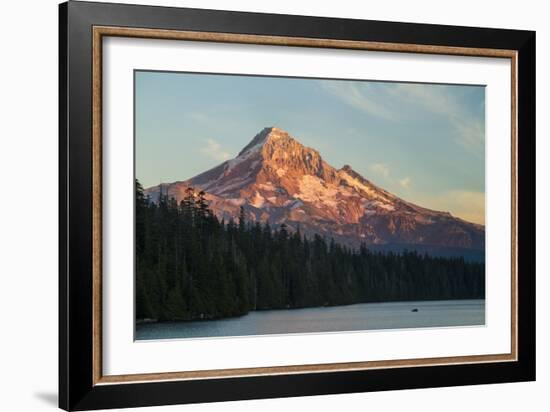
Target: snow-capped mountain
{"x":277,"y":179}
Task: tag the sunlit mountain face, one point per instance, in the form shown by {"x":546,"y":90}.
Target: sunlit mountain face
{"x":277,"y":180}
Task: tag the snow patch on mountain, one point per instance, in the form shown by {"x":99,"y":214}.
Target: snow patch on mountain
{"x":361,"y":187}
{"x":312,"y":189}
{"x":267,"y":186}
{"x":231,"y":185}
{"x":237,"y":202}
{"x":257,"y":201}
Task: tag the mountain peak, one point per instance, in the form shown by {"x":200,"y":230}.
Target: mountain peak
{"x":275,"y":130}
{"x":268,"y":134}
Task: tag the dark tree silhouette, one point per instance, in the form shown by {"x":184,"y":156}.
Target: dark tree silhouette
{"x":190,"y":265}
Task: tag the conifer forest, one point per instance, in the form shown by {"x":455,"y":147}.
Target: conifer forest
{"x":191,"y":265}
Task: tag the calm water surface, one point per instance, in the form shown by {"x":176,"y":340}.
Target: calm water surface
{"x":364,"y":316}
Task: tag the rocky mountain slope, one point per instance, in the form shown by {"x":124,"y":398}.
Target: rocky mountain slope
{"x":278,"y":180}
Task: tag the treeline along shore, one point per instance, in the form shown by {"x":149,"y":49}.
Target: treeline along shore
{"x":190,"y":266}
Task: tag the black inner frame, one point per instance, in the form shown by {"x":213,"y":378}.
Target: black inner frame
{"x":76,"y":388}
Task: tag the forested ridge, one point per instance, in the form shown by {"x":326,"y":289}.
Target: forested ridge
{"x":190,"y":265}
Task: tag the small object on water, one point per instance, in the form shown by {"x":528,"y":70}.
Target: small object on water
{"x":414,"y":310}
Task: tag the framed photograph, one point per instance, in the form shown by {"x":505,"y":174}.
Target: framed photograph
{"x":256,"y":205}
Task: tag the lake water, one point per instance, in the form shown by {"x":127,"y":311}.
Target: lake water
{"x":364,"y":316}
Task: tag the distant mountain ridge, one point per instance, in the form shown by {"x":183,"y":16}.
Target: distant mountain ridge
{"x":276,"y":179}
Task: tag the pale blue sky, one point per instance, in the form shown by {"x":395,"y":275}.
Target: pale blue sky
{"x":422,"y":142}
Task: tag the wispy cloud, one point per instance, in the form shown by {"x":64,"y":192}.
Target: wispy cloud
{"x":467,"y":205}
{"x":360,"y":96}
{"x":395,"y":101}
{"x":468,"y":130}
{"x":380,"y":168}
{"x":434,"y":98}
{"x":214,"y":150}
{"x":470,"y":135}
{"x":197,"y":116}
{"x":405,"y":183}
